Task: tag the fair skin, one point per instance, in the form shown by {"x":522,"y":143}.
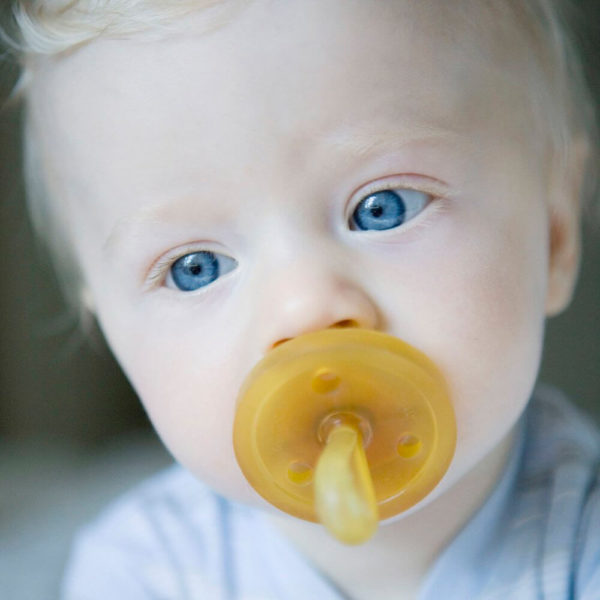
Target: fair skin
{"x":256,"y":142}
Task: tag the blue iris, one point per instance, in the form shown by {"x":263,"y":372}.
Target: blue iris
{"x":198,"y":269}
{"x":387,"y":209}
{"x":381,"y":210}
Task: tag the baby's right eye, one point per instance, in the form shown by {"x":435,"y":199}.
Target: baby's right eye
{"x":198,"y":269}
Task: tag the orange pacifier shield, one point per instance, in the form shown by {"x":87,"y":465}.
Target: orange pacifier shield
{"x":344,"y":427}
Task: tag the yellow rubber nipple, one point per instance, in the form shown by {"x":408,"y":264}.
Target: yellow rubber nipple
{"x":344,"y":427}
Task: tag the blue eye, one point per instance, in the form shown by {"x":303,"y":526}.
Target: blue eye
{"x":388,"y":209}
{"x":198,"y":269}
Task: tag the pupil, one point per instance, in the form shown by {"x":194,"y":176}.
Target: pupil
{"x":376,"y":211}
{"x":196,"y":269}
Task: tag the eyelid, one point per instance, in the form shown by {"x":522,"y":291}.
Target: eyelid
{"x":436,"y":188}
{"x":158,"y":271}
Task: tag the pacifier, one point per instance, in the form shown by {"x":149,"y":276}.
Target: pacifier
{"x":344,"y":427}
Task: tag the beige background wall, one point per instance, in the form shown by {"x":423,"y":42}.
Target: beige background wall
{"x":54,"y":385}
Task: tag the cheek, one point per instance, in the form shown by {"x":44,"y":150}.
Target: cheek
{"x":489,"y":335}
{"x":474,"y":302}
{"x":186,"y":369}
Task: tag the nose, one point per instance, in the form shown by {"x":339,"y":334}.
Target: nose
{"x":301,"y":301}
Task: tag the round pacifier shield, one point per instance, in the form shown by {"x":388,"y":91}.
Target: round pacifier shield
{"x":390,"y":391}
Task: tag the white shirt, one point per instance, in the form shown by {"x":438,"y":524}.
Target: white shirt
{"x":536,"y":537}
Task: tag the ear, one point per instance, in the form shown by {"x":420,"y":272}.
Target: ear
{"x":565,"y":227}
{"x":86,"y":301}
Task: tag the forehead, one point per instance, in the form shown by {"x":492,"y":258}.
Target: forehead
{"x":278,"y":85}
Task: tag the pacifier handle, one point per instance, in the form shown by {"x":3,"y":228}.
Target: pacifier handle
{"x":344,"y":494}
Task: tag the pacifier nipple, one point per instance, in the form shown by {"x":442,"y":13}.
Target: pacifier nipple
{"x":344,"y":427}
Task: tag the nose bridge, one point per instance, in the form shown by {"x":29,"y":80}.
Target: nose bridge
{"x":312,"y":291}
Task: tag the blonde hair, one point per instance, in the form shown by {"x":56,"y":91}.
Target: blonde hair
{"x":52,"y":27}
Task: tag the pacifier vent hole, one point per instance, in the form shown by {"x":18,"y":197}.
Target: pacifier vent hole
{"x":300,"y":473}
{"x":409,"y":445}
{"x":325,"y":381}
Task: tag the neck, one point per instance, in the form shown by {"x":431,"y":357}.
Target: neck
{"x":395,"y":562}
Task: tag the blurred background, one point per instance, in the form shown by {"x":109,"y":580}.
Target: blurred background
{"x":72,"y":434}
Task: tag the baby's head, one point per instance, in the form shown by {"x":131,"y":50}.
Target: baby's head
{"x":229,"y":175}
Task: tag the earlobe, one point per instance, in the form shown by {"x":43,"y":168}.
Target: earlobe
{"x":87,"y":301}
{"x":565,"y":229}
{"x":564,"y":261}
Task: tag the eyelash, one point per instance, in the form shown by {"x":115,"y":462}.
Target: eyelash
{"x":431,"y":187}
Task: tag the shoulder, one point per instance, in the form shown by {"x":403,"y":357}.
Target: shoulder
{"x":587,"y":559}
{"x":559,"y":432}
{"x":171,"y":495}
{"x":140,"y":546}
{"x":565,"y":452}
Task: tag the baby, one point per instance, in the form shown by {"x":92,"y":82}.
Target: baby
{"x":219,"y":177}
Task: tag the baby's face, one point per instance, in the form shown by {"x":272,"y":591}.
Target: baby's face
{"x":306,"y":164}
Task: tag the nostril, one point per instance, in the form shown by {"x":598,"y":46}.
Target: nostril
{"x":345,"y":323}
{"x":279,"y":342}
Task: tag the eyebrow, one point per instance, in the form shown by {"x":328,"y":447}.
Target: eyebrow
{"x":356,"y":144}
{"x":160,"y":212}
{"x":361,"y":143}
